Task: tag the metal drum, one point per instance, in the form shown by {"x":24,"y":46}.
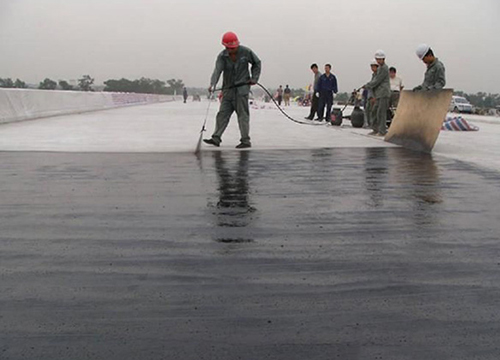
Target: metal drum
{"x":336,"y":117}
{"x":357,"y":117}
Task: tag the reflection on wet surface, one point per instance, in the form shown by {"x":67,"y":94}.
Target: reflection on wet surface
{"x":233,"y":207}
{"x":344,"y":253}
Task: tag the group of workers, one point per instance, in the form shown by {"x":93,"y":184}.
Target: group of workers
{"x":381,"y":95}
{"x":234,"y":62}
{"x":283,"y":95}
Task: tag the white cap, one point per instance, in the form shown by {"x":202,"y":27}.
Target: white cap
{"x":422,"y":49}
{"x":374,"y":62}
{"x":380,"y":54}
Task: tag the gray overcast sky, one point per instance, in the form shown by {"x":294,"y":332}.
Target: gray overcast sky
{"x":64,"y":39}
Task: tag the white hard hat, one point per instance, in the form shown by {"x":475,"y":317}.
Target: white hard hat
{"x":422,"y":49}
{"x":380,"y":54}
{"x":374,"y":62}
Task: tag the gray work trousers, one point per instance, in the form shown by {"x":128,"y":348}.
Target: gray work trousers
{"x":238,"y":103}
{"x":369,"y":112}
{"x":380,"y":119}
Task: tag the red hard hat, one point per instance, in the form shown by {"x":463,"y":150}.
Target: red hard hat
{"x":230,"y":40}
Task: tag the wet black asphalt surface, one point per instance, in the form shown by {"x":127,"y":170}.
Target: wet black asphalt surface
{"x":343,"y":253}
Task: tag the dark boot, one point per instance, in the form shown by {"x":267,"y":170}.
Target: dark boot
{"x":211,"y":142}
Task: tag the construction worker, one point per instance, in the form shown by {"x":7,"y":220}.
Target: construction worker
{"x":326,"y":87}
{"x":287,"y":94}
{"x":234,"y":62}
{"x":279,"y":95}
{"x":370,"y":98}
{"x":315,"y":99}
{"x":381,"y":87}
{"x":434,"y":78}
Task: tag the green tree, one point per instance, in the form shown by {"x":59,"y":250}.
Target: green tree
{"x":19,"y":84}
{"x":63,"y":84}
{"x":175,"y":86}
{"x":47,"y":84}
{"x":6,"y":83}
{"x":122,"y":85}
{"x":142,"y":85}
{"x":342,"y":97}
{"x":85,"y":83}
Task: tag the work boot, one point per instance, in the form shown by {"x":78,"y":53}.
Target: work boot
{"x":373,"y":133}
{"x":211,"y":142}
{"x":243,"y":146}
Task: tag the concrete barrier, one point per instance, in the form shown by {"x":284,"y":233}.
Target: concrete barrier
{"x":28,"y":104}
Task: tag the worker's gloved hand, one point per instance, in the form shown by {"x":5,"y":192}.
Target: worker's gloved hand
{"x":252,"y":82}
{"x":417,"y":88}
{"x":317,"y":94}
{"x":210,"y":89}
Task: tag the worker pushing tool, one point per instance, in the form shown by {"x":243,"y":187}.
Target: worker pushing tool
{"x":418,"y":120}
{"x":234,"y":62}
{"x":435,"y":77}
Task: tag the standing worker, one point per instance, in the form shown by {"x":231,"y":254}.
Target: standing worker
{"x":279,"y":95}
{"x":286,"y":97}
{"x":381,"y":87}
{"x":327,"y":86}
{"x":234,"y":62}
{"x":184,"y":94}
{"x":370,"y":98}
{"x":435,"y":78}
{"x":315,"y":99}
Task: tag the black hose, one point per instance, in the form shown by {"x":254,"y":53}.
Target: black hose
{"x":284,"y":113}
{"x":274,"y":101}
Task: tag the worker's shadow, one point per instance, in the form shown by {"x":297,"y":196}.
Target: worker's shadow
{"x":233,"y":210}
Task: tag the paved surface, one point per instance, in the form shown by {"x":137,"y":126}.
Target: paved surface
{"x":175,"y":127}
{"x":345,"y":253}
{"x":168,"y":127}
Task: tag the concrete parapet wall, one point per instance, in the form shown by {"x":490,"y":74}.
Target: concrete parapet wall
{"x":28,"y":104}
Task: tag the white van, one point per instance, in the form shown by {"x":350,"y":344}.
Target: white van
{"x":460,"y":104}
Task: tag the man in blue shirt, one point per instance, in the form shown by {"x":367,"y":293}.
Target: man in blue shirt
{"x":326,"y":87}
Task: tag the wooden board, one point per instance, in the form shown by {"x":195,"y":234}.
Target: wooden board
{"x":418,"y":119}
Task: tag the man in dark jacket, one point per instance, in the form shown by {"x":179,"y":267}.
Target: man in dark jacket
{"x":327,"y":86}
{"x":234,"y":62}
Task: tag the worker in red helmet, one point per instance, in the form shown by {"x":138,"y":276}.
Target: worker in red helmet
{"x":234,"y":62}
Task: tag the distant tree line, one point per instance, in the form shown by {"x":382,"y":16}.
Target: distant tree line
{"x":481,"y":99}
{"x":84,"y":84}
{"x":8,"y":83}
{"x":145,"y":86}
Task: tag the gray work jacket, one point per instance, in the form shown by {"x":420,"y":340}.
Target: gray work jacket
{"x":434,"y":76}
{"x":236,"y":73}
{"x":381,"y":83}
